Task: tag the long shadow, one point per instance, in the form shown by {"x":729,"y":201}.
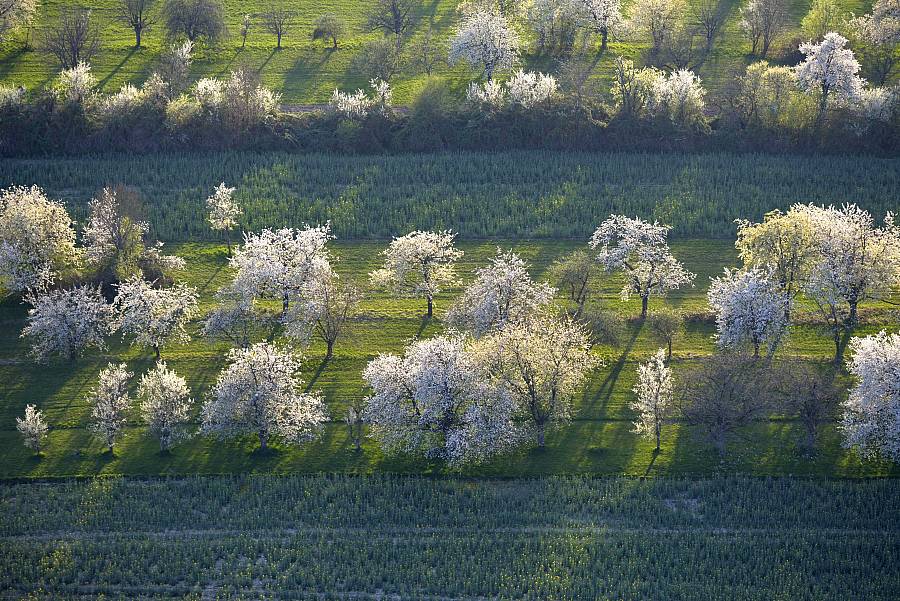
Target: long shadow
{"x":652,"y":462}
{"x":316,"y":375}
{"x":117,"y":68}
{"x":267,"y":61}
{"x":609,"y":383}
{"x":424,"y":324}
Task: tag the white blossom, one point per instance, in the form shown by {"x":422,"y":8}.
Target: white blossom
{"x":882,"y":26}
{"x":110,"y":236}
{"x":259,"y":393}
{"x":37,"y":240}
{"x":485,"y":41}
{"x":640,"y":250}
{"x":325,"y":306}
{"x":11,"y":97}
{"x":155,"y":316}
{"x":76,"y":85}
{"x":435,"y":400}
{"x":66,"y":322}
{"x":830,"y":71}
{"x":502,"y":294}
{"x":352,"y":106}
{"x":222,"y":209}
{"x":110,"y":401}
{"x":541,"y":364}
{"x":490,"y":94}
{"x":419,"y":264}
{"x":166,"y":402}
{"x":529,"y":89}
{"x":32,"y":427}
{"x":278,"y":263}
{"x":750,"y":308}
{"x":871,"y":420}
{"x":122,"y":103}
{"x":679,"y":96}
{"x":602,"y":16}
{"x":654,"y":404}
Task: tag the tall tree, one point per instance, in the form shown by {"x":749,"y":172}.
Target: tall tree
{"x":259,"y":393}
{"x":324,"y":310}
{"x":66,"y":322}
{"x":640,"y":250}
{"x":392,"y":17}
{"x":15,"y":14}
{"x":485,"y":41}
{"x":74,"y":38}
{"x":750,"y":308}
{"x":659,"y":19}
{"x":138,"y":16}
{"x":165,"y":405}
{"x":762,"y":22}
{"x":829,"y":71}
{"x":155,"y":316}
{"x":419,"y":264}
{"x":574,"y":275}
{"x":110,"y":400}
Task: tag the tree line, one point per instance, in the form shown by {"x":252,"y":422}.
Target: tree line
{"x":515,"y":354}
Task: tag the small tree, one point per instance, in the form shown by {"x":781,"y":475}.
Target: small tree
{"x":830,"y":71}
{"x":641,"y":251}
{"x":503,"y":294}
{"x":258,"y":393}
{"x":419,"y":264}
{"x":175,"y":65}
{"x":601,"y":16}
{"x":278,"y":21}
{"x":223,"y":212}
{"x":877,"y":38}
{"x":165,"y":405}
{"x":378,"y":59}
{"x":574,"y":276}
{"x":667,"y":325}
{"x":196,"y":20}
{"x":750,"y":308}
{"x":110,"y":400}
{"x":137,"y":16}
{"x":15,"y":14}
{"x":723,"y":395}
{"x":709,"y":16}
{"x":391,"y":17}
{"x":329,"y":27}
{"x":485,"y":41}
{"x":324,"y":310}
{"x":246,"y":26}
{"x":762,"y":22}
{"x":823,"y":16}
{"x":74,"y":39}
{"x":37,"y":240}
{"x":658,"y":19}
{"x":155,"y":316}
{"x":808,"y":393}
{"x":66,"y":322}
{"x":355,"y":420}
{"x":33,"y":428}
{"x":427,"y":53}
{"x":655,"y":399}
{"x":870,"y":423}
{"x":236,"y":317}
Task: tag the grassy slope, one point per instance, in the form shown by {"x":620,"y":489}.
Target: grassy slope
{"x":307,"y":72}
{"x":598,"y":441}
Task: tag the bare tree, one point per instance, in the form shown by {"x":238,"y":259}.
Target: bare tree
{"x":378,"y":59}
{"x":574,"y":275}
{"x":428,"y":53}
{"x":135,"y":14}
{"x":329,"y":27}
{"x":810,"y":394}
{"x":723,"y":395}
{"x":246,"y":24}
{"x":709,"y":16}
{"x":762,"y":21}
{"x":74,"y":38}
{"x":278,"y":22}
{"x":666,"y":325}
{"x":393,"y":17}
{"x":195,"y":19}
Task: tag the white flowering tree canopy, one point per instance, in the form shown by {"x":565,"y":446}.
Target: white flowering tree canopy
{"x":750,"y":308}
{"x":654,"y":404}
{"x":323,"y":310}
{"x":166,"y":402}
{"x":278,"y":263}
{"x":15,"y":13}
{"x":66,"y":322}
{"x":871,"y":420}
{"x":502,"y":294}
{"x":541,"y":364}
{"x":882,"y":26}
{"x":641,"y":251}
{"x":602,"y":16}
{"x":485,"y":41}
{"x":155,"y":316}
{"x":358,"y":104}
{"x":436,"y":400}
{"x":830,"y":70}
{"x":76,"y":85}
{"x":37,"y":240}
{"x":110,"y":400}
{"x":260,"y":393}
{"x":222,"y":209}
{"x":32,"y":427}
{"x":419,"y":264}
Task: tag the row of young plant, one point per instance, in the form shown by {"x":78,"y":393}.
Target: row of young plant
{"x":822,"y":98}
{"x":509,"y":366}
{"x":509,"y":195}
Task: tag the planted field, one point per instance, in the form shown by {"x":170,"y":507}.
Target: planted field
{"x":383,"y":537}
{"x":599,"y":440}
{"x":307,"y":71}
{"x":504,"y":195}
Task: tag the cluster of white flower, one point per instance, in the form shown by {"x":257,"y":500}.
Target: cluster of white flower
{"x":76,"y":85}
{"x":358,"y":104}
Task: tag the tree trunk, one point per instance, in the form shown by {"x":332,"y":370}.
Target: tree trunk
{"x":644,"y":301}
{"x":329,"y":350}
{"x":334,"y":42}
{"x":669,"y":355}
{"x":540,"y":435}
{"x":658,"y":429}
{"x":430,"y":307}
{"x":279,"y":41}
{"x":137,"y":37}
{"x":604,"y":39}
{"x":263,"y":441}
{"x":156,"y":349}
{"x":228,"y":242}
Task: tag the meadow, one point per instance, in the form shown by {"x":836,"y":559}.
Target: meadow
{"x":307,"y":71}
{"x":390,"y":537}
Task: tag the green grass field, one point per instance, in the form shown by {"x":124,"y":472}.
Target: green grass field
{"x":307,"y":72}
{"x":598,"y":441}
{"x":383,"y":537}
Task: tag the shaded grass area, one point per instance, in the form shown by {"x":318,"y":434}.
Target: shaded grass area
{"x":307,"y":72}
{"x":598,"y":441}
{"x":382,"y":536}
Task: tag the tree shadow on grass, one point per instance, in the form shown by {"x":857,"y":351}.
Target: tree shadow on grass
{"x":115,"y":70}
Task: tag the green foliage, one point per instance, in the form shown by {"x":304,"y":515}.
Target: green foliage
{"x":338,"y":537}
{"x":511,"y":194}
